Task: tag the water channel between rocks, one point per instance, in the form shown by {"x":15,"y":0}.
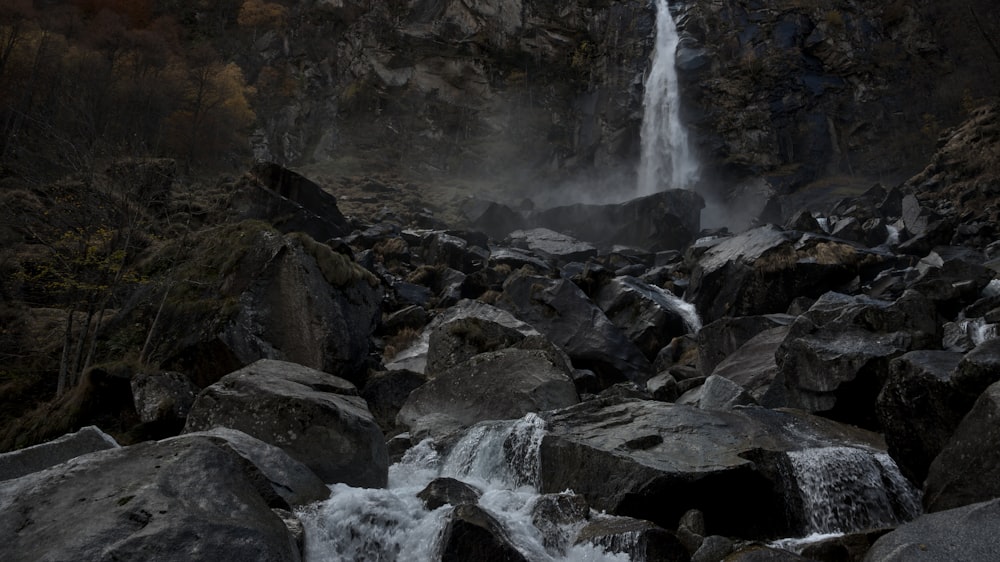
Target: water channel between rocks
{"x":841,"y":490}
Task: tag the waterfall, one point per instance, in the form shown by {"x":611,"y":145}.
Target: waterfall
{"x":500,"y":458}
{"x":666,"y":159}
{"x":846,"y":489}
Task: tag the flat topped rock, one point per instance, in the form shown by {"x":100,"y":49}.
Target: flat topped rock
{"x":551,"y":244}
{"x":39,"y":457}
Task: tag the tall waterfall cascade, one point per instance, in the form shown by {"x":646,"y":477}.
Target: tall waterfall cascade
{"x":666,"y":160}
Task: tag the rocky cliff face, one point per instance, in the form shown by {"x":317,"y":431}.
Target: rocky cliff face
{"x":793,"y":90}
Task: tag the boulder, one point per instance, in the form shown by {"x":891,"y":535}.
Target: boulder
{"x":386,"y":392}
{"x":495,"y":219}
{"x":317,"y":418}
{"x":187,"y":499}
{"x":963,"y":533}
{"x":668,"y":220}
{"x":561,"y":311}
{"x":753,"y":366}
{"x":39,"y":457}
{"x":557,"y":516}
{"x":919,"y":408}
{"x":291,"y":480}
{"x":447,"y":249}
{"x":551,"y":245}
{"x":967,"y":470}
{"x":837,"y":373}
{"x":454,"y":342}
{"x":647,"y":315}
{"x":640,"y":540}
{"x":497,"y":385}
{"x":164,"y":397}
{"x":719,"y":339}
{"x":720,"y":393}
{"x":656,"y":461}
{"x":763,"y":270}
{"x":289,"y":201}
{"x":471,"y":533}
{"x":442,"y":491}
{"x":978,"y":369}
{"x":278,"y":297}
{"x":415,"y":357}
{"x":835,"y":357}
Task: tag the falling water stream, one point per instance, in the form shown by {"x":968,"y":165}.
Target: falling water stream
{"x":666,"y":160}
{"x":392,"y":524}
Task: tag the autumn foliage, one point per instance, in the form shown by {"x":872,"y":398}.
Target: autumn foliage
{"x":88,"y":81}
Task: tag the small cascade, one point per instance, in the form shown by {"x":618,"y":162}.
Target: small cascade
{"x":847,"y":489}
{"x":666,"y":159}
{"x":499,"y":458}
{"x":501,"y":453}
{"x":687,"y":311}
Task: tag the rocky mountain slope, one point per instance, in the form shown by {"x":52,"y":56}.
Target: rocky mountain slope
{"x":863,"y":335}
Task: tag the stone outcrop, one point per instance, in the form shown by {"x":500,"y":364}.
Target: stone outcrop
{"x":317,"y":418}
{"x":655,"y":461}
{"x":39,"y":457}
{"x":561,"y":311}
{"x":175,"y":500}
{"x":963,"y":533}
{"x":495,"y":385}
{"x":967,"y":470}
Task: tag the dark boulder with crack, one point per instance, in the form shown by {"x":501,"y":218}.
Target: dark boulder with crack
{"x":317,"y":418}
{"x":967,"y":470}
{"x":289,"y":201}
{"x":561,"y":311}
{"x":919,"y":408}
{"x":648,"y":315}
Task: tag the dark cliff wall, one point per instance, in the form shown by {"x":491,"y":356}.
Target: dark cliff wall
{"x":791,"y":90}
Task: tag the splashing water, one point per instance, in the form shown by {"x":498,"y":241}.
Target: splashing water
{"x":666,"y":159}
{"x":499,"y":458}
{"x":846,"y":489}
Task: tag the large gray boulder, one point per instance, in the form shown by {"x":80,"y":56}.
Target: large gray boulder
{"x":719,"y":339}
{"x":293,"y":481}
{"x":763,"y":270}
{"x":968,"y":468}
{"x":753,"y":365}
{"x":919,"y":408}
{"x":551,"y":245}
{"x":835,"y":357}
{"x":648,"y":315}
{"x":964,"y":533}
{"x":317,"y":418}
{"x":39,"y":457}
{"x":497,"y":385}
{"x":270,"y":296}
{"x":178,"y":500}
{"x":290,"y":201}
{"x":668,"y":220}
{"x":655,"y":461}
{"x":307,"y":304}
{"x":563,"y":313}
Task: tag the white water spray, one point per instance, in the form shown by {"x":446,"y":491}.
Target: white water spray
{"x":846,"y":489}
{"x":392,"y":525}
{"x":666,"y":159}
